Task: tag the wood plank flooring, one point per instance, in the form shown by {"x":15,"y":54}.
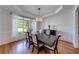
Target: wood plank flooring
{"x":19,"y":47}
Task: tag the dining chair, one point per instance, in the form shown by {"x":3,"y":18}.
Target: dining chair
{"x":55,"y":44}
{"x":36,"y":43}
{"x":30,"y":38}
{"x":26,"y":37}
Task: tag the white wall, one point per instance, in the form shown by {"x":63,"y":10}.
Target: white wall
{"x":63,"y":22}
{"x":75,"y":27}
{"x":75,"y":40}
{"x":6,"y":28}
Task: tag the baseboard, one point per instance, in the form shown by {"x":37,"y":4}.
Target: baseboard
{"x":66,"y":41}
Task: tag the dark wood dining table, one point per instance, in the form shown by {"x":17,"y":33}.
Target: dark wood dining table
{"x":47,"y":39}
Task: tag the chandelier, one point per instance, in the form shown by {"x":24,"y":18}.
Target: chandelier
{"x":39,"y":18}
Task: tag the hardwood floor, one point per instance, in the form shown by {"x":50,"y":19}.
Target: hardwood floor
{"x":20,"y":47}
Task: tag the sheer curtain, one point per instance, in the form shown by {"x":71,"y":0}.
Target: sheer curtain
{"x":33,"y":26}
{"x":14,"y":26}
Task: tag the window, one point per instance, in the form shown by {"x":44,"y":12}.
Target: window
{"x":26,"y":25}
{"x":22,"y":25}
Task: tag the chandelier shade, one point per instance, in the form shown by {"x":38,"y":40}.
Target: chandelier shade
{"x":39,"y":18}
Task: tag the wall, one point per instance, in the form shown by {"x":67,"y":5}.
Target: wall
{"x":63,"y":22}
{"x":6,"y":28}
{"x":75,"y":27}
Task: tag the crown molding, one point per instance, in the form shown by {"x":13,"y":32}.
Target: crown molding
{"x":54,"y":13}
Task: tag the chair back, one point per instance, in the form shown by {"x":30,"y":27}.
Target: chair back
{"x":34,"y":38}
{"x":26,"y":35}
{"x":30,"y":36}
{"x":48,"y":32}
{"x":56,"y":42}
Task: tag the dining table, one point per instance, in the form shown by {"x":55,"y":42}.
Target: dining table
{"x":47,"y":39}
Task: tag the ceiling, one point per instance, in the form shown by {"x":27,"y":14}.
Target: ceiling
{"x":32,"y":10}
{"x":44,"y":9}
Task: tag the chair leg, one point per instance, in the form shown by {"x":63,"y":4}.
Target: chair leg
{"x":57,"y":51}
{"x":33,"y":48}
{"x":29,"y":43}
{"x":44,"y":49}
{"x":26,"y":41}
{"x":54,"y":52}
{"x":38,"y":51}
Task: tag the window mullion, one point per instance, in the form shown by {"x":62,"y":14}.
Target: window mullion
{"x":23,"y":24}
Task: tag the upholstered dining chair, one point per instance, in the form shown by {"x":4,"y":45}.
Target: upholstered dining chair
{"x":36,"y":43}
{"x":28,"y":38}
{"x":55,"y":44}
